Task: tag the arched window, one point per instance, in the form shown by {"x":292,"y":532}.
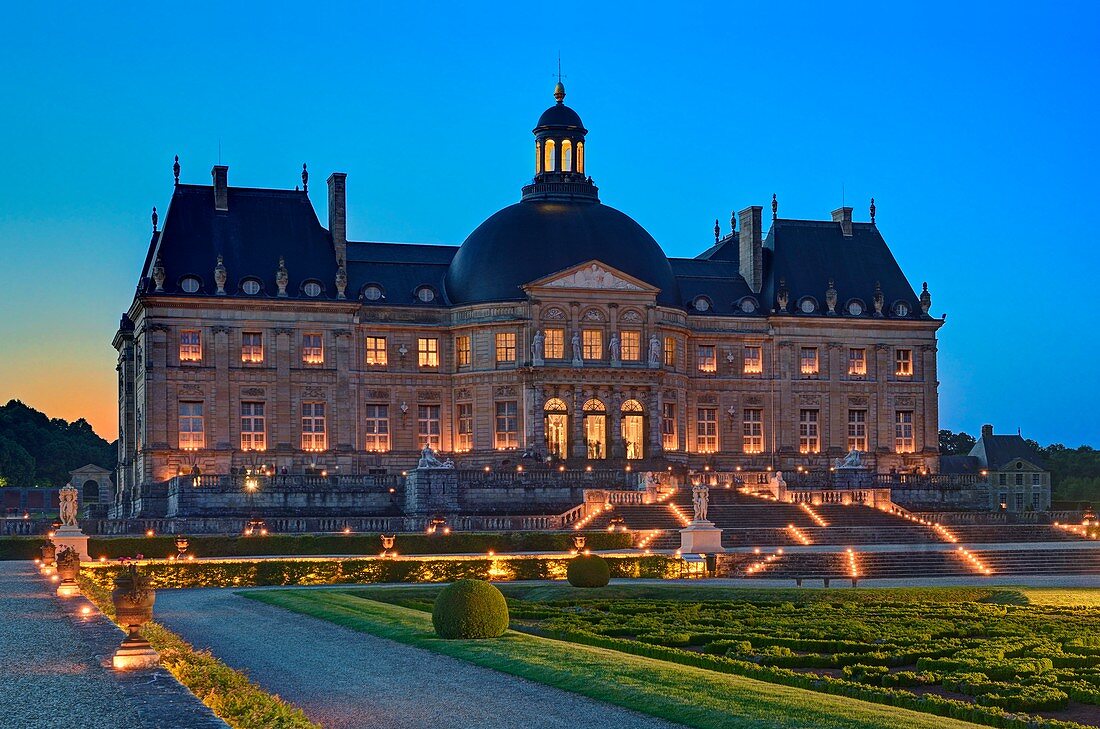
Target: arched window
{"x":91,"y":491}
{"x":566,"y":156}
{"x":632,"y":406}
{"x":580,"y":157}
{"x":548,"y":163}
{"x":555,"y":405}
{"x":538,"y":157}
{"x":594,"y":406}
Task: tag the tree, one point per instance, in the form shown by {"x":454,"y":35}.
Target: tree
{"x":39,"y":451}
{"x":955,"y":444}
{"x":16,"y":465}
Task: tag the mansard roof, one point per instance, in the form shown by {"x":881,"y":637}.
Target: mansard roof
{"x":996,"y":451}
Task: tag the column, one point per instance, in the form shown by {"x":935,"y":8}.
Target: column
{"x":345,"y":407}
{"x":282,"y":426}
{"x":576,"y":425}
{"x":220,"y":435}
{"x":653,"y":422}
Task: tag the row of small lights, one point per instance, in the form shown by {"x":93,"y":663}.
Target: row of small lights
{"x":647,"y":539}
{"x":853,"y":566}
{"x":976,"y":563}
{"x":586,"y":520}
{"x":813,"y":515}
{"x":945,"y":533}
{"x":798,"y":535}
{"x":1079,"y":530}
{"x":763,"y":563}
{"x":679,"y":514}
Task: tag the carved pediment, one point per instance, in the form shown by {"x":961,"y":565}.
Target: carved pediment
{"x":592,"y":275}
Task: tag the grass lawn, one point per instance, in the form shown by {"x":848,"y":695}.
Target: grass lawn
{"x":683,"y":694}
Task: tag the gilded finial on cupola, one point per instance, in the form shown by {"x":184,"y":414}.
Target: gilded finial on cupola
{"x":559,"y":92}
{"x":176,"y":169}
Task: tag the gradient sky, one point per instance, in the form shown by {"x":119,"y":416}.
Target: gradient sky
{"x":974,"y":129}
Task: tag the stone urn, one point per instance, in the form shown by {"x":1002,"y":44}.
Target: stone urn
{"x":49,"y":554}
{"x":133,"y":600}
{"x":182,"y":543}
{"x":68,"y":568}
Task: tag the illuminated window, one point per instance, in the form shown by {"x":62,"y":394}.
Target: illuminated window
{"x":857,"y":362}
{"x":857,"y":430}
{"x":376,"y":427}
{"x":631,"y":346}
{"x":903,"y":362}
{"x":462,"y":350}
{"x":809,"y":437}
{"x":669,"y":441}
{"x":566,"y":156}
{"x":808,"y":363}
{"x":507,"y":425}
{"x":553,"y":344}
{"x":670,"y":352}
{"x":313,"y":350}
{"x":538,"y":156}
{"x":706,"y":358}
{"x":580,"y":157}
{"x":190,"y":345}
{"x":464,"y":428}
{"x":706,"y":430}
{"x":753,"y":432}
{"x":313,"y":426}
{"x":427,"y":426}
{"x":427,"y":352}
{"x":192,"y":433}
{"x":253,"y":427}
{"x":548,"y":157}
{"x":903,"y":431}
{"x":592,"y":346}
{"x":376,"y":352}
{"x":754,"y":360}
{"x":252,"y":347}
{"x":506,"y":347}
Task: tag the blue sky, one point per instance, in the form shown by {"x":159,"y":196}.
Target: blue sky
{"x":973,"y":127}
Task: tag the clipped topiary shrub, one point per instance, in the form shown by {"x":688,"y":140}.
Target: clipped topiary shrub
{"x":588,"y":570}
{"x":470,"y":609}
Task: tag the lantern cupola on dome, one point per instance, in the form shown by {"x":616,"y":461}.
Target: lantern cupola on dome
{"x":559,"y":154}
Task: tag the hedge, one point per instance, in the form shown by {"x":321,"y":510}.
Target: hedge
{"x":21,"y":547}
{"x":470,"y":609}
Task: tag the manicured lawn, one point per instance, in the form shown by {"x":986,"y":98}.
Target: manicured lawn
{"x":685,"y":694}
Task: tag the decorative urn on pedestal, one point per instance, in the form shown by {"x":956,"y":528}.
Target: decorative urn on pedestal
{"x":133,"y":600}
{"x":182,"y":543}
{"x":49,"y":554}
{"x":68,"y":568}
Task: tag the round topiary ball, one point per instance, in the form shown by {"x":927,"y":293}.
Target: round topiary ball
{"x":470,"y":609}
{"x":588,"y":570}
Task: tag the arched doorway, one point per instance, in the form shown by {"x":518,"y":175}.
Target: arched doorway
{"x":91,"y":492}
{"x":595,"y":429}
{"x":633,"y":429}
{"x":557,"y":427}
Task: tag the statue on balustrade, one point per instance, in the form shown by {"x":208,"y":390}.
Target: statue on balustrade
{"x":429,"y":459}
{"x":853,"y":460}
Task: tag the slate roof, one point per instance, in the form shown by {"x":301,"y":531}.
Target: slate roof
{"x":960,"y":465}
{"x":995,"y":451}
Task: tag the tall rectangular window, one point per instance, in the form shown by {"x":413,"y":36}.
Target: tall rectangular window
{"x":1036,"y":480}
{"x":427,"y":426}
{"x":462,"y":350}
{"x":1036,"y":500}
{"x":427,"y":353}
{"x":754,"y":360}
{"x":631,"y":346}
{"x":706,"y":430}
{"x":903,"y":362}
{"x":314,"y":433}
{"x":669,"y":440}
{"x":903,"y":431}
{"x":507,"y":425}
{"x":252,"y":347}
{"x":506,"y":347}
{"x":753,"y":431}
{"x":313,"y":349}
{"x":809,"y":435}
{"x":670,"y":352}
{"x":808,"y":362}
{"x":376,"y":427}
{"x":857,"y":362}
{"x":1019,"y":479}
{"x":253,"y":427}
{"x":376,"y":353}
{"x":190,"y":345}
{"x":553,"y":344}
{"x":464,"y":428}
{"x":857,"y":430}
{"x":592,"y":344}
{"x":192,"y":432}
{"x":705,"y":358}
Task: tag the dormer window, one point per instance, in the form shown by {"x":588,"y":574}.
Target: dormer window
{"x":251,"y":286}
{"x":190,"y":284}
{"x":901,"y":309}
{"x":855,"y":307}
{"x":701,"y":303}
{"x":425,"y":294}
{"x":373,"y":292}
{"x":748,"y":305}
{"x":807,"y":305}
{"x":312,"y":289}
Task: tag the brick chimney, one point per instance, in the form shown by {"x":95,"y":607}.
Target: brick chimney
{"x":844,"y":217}
{"x":987,"y":430}
{"x":338,"y":215}
{"x":220,"y":173}
{"x":749,"y":246}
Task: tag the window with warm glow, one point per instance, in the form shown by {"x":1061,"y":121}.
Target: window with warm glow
{"x":566,"y":156}
{"x":192,"y":433}
{"x":314,"y":434}
{"x":376,"y":427}
{"x":507,"y":425}
{"x":903,"y":431}
{"x":669,"y":441}
{"x":857,"y":430}
{"x":506,"y":347}
{"x":464,"y":428}
{"x":631,"y":343}
{"x":753,"y":431}
{"x":190,"y":345}
{"x":670,"y":352}
{"x":809,"y":437}
{"x":538,"y":157}
{"x":253,"y":427}
{"x":592,"y":344}
{"x":548,"y":157}
{"x":857,"y":362}
{"x":903,"y":362}
{"x":754,"y":360}
{"x":252,"y":347}
{"x":706,"y":358}
{"x":313,"y":350}
{"x":427,"y":426}
{"x":462,"y":350}
{"x":706,"y":430}
{"x":580,"y":157}
{"x":553,"y":344}
{"x":377,"y":355}
{"x":808,"y":363}
{"x":427,"y":352}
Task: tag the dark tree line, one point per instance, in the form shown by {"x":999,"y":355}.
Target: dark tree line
{"x":40,"y":451}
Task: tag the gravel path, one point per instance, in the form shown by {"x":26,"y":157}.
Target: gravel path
{"x":343,"y":678}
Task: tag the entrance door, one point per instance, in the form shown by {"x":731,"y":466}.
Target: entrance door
{"x":633,"y":437}
{"x":557,"y":425}
{"x":595,"y":430}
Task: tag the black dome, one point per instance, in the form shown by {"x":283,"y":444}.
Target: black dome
{"x":535,"y":238}
{"x":559,"y":115}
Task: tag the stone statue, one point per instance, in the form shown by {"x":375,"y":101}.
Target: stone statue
{"x":576,"y":341}
{"x":614,"y":347}
{"x":853,"y":460}
{"x":282,"y":277}
{"x":654,"y":351}
{"x":341,"y":283}
{"x":220,"y":275}
{"x":429,"y":459}
{"x":537,"y":347}
{"x":700,"y":500}
{"x":67,"y":497}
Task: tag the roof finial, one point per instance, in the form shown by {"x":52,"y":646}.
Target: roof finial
{"x":775,"y":207}
{"x":872,"y":211}
{"x":155,"y":218}
{"x":733,"y":222}
{"x":176,"y":169}
{"x":305,"y":179}
{"x":559,"y":87}
{"x":717,"y":231}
